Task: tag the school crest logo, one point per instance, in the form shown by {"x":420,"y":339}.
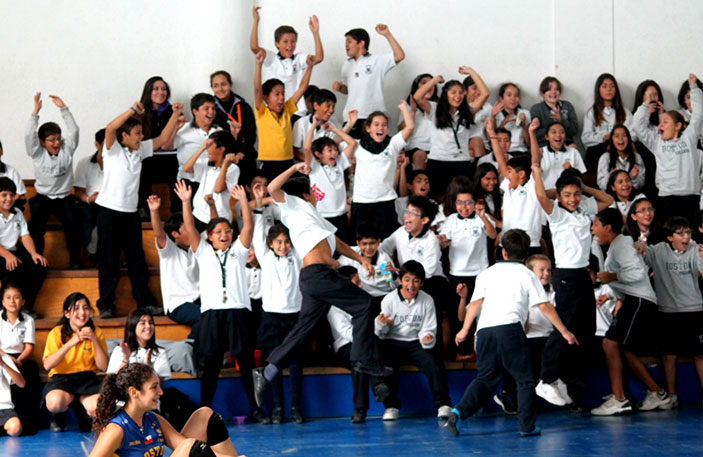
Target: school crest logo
{"x":368,"y":69}
{"x":475,"y":231}
{"x":420,"y":251}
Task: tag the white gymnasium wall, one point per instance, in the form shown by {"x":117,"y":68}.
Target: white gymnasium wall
{"x":97,"y":55}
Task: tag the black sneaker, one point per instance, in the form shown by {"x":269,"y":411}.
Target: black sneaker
{"x":359,"y":416}
{"x":106,"y":314}
{"x":155,"y":310}
{"x":261,"y":385}
{"x":372,"y":368}
{"x":58,"y":422}
{"x":381,"y":392}
{"x":277,"y":415}
{"x":296,"y":415}
{"x":453,"y":421}
{"x":506,"y":402}
{"x":257,"y":416}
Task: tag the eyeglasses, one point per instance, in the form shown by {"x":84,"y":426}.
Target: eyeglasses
{"x":464,"y":202}
{"x":645,"y":210}
{"x":412,"y":213}
{"x":683,"y":232}
{"x":220,"y":232}
{"x":53,"y":139}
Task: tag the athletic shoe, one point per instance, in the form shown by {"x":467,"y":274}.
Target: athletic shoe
{"x":296,"y":415}
{"x":506,"y":403}
{"x":277,"y":415}
{"x":443,"y":412}
{"x":563,"y":391}
{"x":256,"y":416}
{"x":534,"y":432}
{"x":381,"y":392}
{"x":372,"y":368}
{"x":655,"y":400}
{"x":612,"y":406}
{"x":58,"y":422}
{"x":453,"y":422}
{"x":550,"y":393}
{"x":672,"y":403}
{"x":359,"y":416}
{"x":261,"y":385}
{"x":390,"y":414}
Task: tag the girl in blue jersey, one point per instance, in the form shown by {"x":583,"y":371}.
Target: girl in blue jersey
{"x":126,"y":425}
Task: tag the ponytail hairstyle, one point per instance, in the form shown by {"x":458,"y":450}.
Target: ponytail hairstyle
{"x":130,"y":330}
{"x":68,"y":305}
{"x":115,"y":389}
{"x":599,"y":104}
{"x":444,"y":119}
{"x":613,"y":153}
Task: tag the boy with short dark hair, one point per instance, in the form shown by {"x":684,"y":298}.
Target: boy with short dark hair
{"x":52,"y":156}
{"x":285,"y":65}
{"x":416,"y":182}
{"x":363,"y":74}
{"x":323,"y":105}
{"x":20,"y":262}
{"x":500,"y":335}
{"x":407,"y":327}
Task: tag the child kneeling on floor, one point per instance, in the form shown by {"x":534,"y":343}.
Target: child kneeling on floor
{"x":501,"y":343}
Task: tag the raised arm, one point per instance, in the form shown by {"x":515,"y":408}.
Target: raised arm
{"x":483,"y":91}
{"x":307,"y":144}
{"x":315,"y":28}
{"x":298,"y":94}
{"x":185,"y":193}
{"x":408,"y":120}
{"x":157,"y":224}
{"x":245,"y":235}
{"x":535,"y":151}
{"x":258,"y":91}
{"x":276,"y":185}
{"x":343,"y":136}
{"x":544,"y":200}
{"x":72,"y":131}
{"x":259,"y":238}
{"x":221,"y":181}
{"x":498,"y":152}
{"x":189,"y":166}
{"x":696,"y":107}
{"x":31,"y":139}
{"x":254,"y":39}
{"x":398,"y":53}
{"x":603,"y":200}
{"x":419,"y":95}
{"x":169,"y":131}
{"x":116,"y":123}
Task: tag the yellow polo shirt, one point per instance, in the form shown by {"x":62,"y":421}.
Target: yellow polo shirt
{"x":80,"y":357}
{"x":275,"y":133}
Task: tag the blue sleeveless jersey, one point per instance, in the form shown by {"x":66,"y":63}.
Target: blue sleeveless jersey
{"x":147,"y":441}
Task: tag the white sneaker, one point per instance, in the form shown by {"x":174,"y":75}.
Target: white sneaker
{"x":563,"y":391}
{"x":390,"y":414}
{"x":550,"y":393}
{"x":443,"y":412}
{"x":672,"y":403}
{"x":612,"y":406}
{"x":655,"y":400}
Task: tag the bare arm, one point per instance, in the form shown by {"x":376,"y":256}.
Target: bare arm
{"x":483,"y":91}
{"x":471,"y":313}
{"x":109,"y":441}
{"x":116,"y":123}
{"x":185,"y":193}
{"x":419,"y":95}
{"x":603,"y":200}
{"x":343,"y":136}
{"x":498,"y":151}
{"x":169,"y":131}
{"x":315,"y":28}
{"x":189,"y":166}
{"x":398,"y":53}
{"x":157,"y":224}
{"x":275,"y":186}
{"x":298,"y":94}
{"x":535,"y":151}
{"x":15,"y":375}
{"x":258,"y":91}
{"x":247,"y":232}
{"x":53,"y":359}
{"x":544,"y":200}
{"x":254,"y":39}
{"x":408,"y":120}
{"x":26,"y":352}
{"x":221,"y":181}
{"x":550,"y":313}
{"x":307,"y":144}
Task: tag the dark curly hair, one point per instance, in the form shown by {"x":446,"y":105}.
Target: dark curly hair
{"x":114,"y":389}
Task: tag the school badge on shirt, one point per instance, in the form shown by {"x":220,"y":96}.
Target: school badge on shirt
{"x":368,"y":69}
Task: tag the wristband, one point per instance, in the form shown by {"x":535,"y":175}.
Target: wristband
{"x":132,"y":108}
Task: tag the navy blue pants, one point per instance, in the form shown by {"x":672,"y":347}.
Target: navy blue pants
{"x":187,"y":314}
{"x":499,"y":348}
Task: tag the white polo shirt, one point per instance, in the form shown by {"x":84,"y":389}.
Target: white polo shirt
{"x":381,"y":283}
{"x":13,"y":337}
{"x":188,"y":140}
{"x":280,"y":291}
{"x":506,"y":302}
{"x":424,"y":249}
{"x":254,"y":282}
{"x":552,"y":164}
{"x":522,"y":210}
{"x":207,"y":175}
{"x":301,"y":128}
{"x":412,"y":320}
{"x":571,"y":234}
{"x":364,"y":80}
{"x":468,"y":251}
{"x":89,"y":176}
{"x":290,"y":71}
{"x":159,"y":361}
{"x":12,"y":173}
{"x":122,"y":169}
{"x":341,"y":327}
{"x":422,"y":133}
{"x":373,"y":176}
{"x":450,"y":144}
{"x":12,"y":228}
{"x":330,"y":180}
{"x":537,"y":325}
{"x":5,"y":383}
{"x":178,"y":274}
{"x":306,"y":226}
{"x":517,"y":142}
{"x":218,"y":267}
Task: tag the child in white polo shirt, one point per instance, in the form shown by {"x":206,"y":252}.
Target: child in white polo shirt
{"x":323,"y":104}
{"x":415,"y":182}
{"x":555,"y":156}
{"x":119,"y":226}
{"x":87,"y":183}
{"x":9,"y":375}
{"x":327,"y":168}
{"x":52,"y":156}
{"x":12,"y":173}
{"x":363,"y":74}
{"x":570,"y":222}
{"x":217,"y":176}
{"x":285,"y":64}
{"x":21,"y":263}
{"x":502,"y":308}
{"x":178,"y":270}
{"x":376,"y":160}
{"x":407,"y":327}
